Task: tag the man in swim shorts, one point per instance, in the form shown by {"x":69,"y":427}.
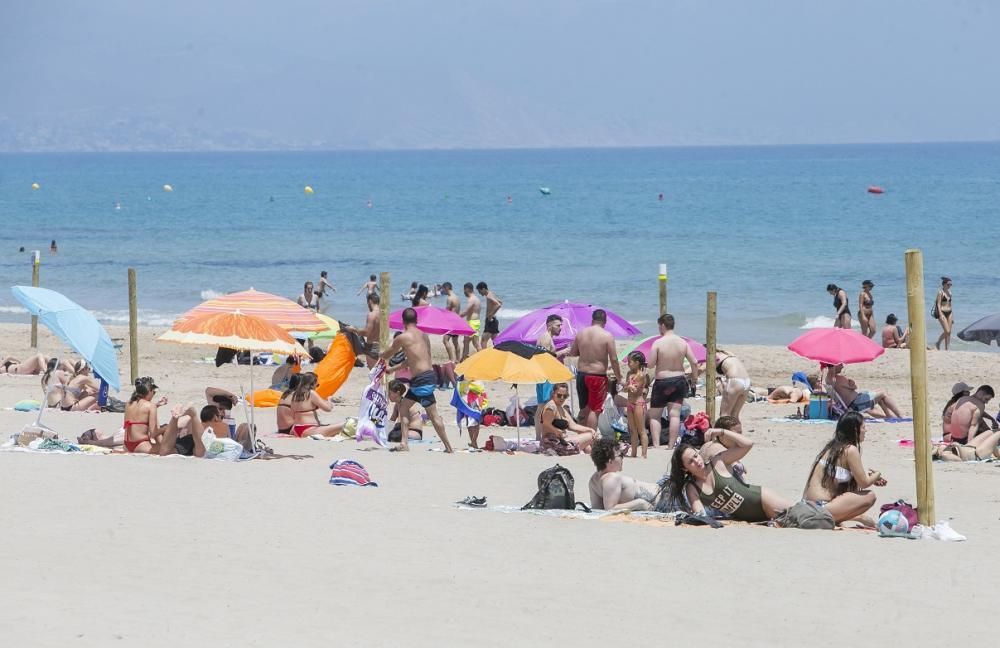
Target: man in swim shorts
{"x":416,"y":345}
{"x":491,"y":327}
{"x":595,"y":349}
{"x":471,"y":314}
{"x":861,"y":401}
{"x":670,"y":384}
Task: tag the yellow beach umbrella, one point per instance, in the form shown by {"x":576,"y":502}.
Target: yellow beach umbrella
{"x":510,"y":367}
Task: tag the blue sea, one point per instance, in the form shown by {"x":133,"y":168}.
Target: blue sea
{"x":766,"y":227}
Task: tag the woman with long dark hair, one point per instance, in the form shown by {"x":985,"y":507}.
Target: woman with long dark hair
{"x":696,"y":483}
{"x":838,"y":480}
{"x":942,"y":311}
{"x":420,"y":297}
{"x":842,"y":316}
{"x":866,"y":309}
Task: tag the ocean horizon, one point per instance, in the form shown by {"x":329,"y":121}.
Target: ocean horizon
{"x":766,"y":227}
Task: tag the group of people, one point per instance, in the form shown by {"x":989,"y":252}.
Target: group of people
{"x":893,"y":335}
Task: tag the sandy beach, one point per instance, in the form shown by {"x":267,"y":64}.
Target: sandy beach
{"x":131,"y":550}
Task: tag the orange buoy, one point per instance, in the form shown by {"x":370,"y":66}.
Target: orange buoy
{"x":875,"y":189}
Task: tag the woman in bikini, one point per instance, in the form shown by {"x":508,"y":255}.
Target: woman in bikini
{"x":560,"y":433}
{"x":983,"y":446}
{"x":141,"y":426}
{"x":838,"y":480}
{"x":420,"y":297}
{"x":70,"y":391}
{"x":637,"y":386}
{"x":297,"y":409}
{"x":735,"y":383}
{"x":866,"y":312}
{"x":942,"y":311}
{"x":308,"y":299}
{"x":33,"y":366}
{"x":696,"y":483}
{"x":842,"y":317}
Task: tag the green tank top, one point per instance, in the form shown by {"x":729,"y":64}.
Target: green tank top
{"x":733,"y":497}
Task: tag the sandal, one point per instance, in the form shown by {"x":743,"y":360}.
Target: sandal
{"x":475,"y":502}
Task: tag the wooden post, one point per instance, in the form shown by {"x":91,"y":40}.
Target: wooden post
{"x":384,"y":306}
{"x":918,"y":385}
{"x":35,"y":263}
{"x":663,"y":288}
{"x":133,"y":326}
{"x":710,"y":358}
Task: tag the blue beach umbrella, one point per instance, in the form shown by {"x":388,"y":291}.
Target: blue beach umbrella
{"x":74,"y":325}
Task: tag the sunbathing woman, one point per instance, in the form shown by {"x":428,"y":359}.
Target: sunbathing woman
{"x":696,"y":484}
{"x":795,"y":393}
{"x":983,"y":446}
{"x":81,"y":392}
{"x":838,"y":480}
{"x":33,"y":366}
{"x":866,"y":312}
{"x":735,"y":383}
{"x":560,"y":433}
{"x":142,"y":428}
{"x":842,"y":318}
{"x":302,"y":402}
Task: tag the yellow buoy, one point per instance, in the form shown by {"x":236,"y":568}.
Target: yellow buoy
{"x":167,"y":187}
{"x":308,"y":189}
{"x":36,"y":186}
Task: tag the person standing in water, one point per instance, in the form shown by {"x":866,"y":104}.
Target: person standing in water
{"x":452,"y":304}
{"x":842,"y":318}
{"x":324,"y":286}
{"x":866,"y":312}
{"x":471,"y":314}
{"x":308,"y":299}
{"x":369,"y":287}
{"x":942,"y":311}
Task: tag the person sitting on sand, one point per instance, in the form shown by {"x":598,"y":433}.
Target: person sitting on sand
{"x":838,"y":480}
{"x":865,"y":401}
{"x":141,"y":426}
{"x":296,"y":411}
{"x":612,"y":490}
{"x":32,"y":366}
{"x":893,"y":336}
{"x":709,"y":449}
{"x":696,"y":484}
{"x":71,"y":391}
{"x":735,"y":383}
{"x":560,"y":433}
{"x":415,"y":429}
{"x":969,"y":418}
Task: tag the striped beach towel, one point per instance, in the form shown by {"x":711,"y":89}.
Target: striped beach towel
{"x":349,"y":473}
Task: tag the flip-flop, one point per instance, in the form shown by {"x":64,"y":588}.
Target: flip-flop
{"x":475,"y":502}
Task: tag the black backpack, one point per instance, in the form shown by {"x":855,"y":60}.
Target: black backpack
{"x":555,"y":491}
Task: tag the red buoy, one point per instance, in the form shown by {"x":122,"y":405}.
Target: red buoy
{"x":875,"y":189}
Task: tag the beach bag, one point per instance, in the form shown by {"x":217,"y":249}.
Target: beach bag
{"x":221,"y":449}
{"x":906,"y":509}
{"x":806,"y":515}
{"x":555,"y":491}
{"x":934,"y":311}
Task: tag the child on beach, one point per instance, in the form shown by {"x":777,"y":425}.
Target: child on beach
{"x":637,"y":385}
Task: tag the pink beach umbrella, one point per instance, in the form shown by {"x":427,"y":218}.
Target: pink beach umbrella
{"x":835,"y":346}
{"x":574,"y":318}
{"x":434,"y":320}
{"x":699,"y":351}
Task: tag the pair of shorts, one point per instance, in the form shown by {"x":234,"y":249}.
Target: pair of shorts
{"x":422,"y":388}
{"x":492,"y":326}
{"x":863,"y":402}
{"x":669,"y":390}
{"x":396,"y":433}
{"x":185,"y":445}
{"x":372,"y":350}
{"x":592,"y":389}
{"x":475,"y":324}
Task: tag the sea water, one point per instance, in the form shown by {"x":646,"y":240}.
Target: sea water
{"x":767,"y":228}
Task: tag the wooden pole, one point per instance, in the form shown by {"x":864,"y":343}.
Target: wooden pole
{"x":710,"y":358}
{"x":35,"y":263}
{"x":133,"y":326}
{"x":384,"y":306}
{"x":918,"y":385}
{"x":663,"y":288}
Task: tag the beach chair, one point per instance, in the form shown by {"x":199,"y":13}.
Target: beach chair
{"x":37,"y":427}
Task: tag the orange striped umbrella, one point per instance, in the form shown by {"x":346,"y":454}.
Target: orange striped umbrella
{"x":276,"y":310}
{"x":235,"y":330}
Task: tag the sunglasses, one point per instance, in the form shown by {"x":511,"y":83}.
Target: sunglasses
{"x":559,"y":395}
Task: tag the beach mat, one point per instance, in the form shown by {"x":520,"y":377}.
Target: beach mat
{"x":828,"y":421}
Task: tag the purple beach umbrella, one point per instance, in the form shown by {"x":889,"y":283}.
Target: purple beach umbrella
{"x":574,"y":318}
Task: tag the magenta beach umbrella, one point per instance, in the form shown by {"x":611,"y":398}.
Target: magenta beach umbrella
{"x":434,"y":320}
{"x":836,"y":346}
{"x":699,"y":351}
{"x":575,"y":317}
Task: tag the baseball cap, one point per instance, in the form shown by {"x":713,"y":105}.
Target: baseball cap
{"x":959,"y":387}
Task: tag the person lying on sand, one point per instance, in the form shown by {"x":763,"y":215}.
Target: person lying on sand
{"x":969,"y":418}
{"x":838,"y":480}
{"x":795,"y":393}
{"x":612,"y":490}
{"x":861,"y":401}
{"x":31,"y":366}
{"x":696,"y":484}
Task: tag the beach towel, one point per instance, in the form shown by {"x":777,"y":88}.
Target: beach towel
{"x":469,"y":400}
{"x":374,"y":410}
{"x":349,"y":473}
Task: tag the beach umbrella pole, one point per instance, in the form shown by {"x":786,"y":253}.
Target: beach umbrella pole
{"x":253,"y":425}
{"x":517,"y":417}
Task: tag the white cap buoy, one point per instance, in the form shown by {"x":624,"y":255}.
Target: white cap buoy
{"x":308,"y":190}
{"x":167,"y":187}
{"x":36,"y":186}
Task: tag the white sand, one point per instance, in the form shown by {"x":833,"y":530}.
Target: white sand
{"x":123,"y":550}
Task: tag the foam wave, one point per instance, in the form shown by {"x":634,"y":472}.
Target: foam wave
{"x":512,"y":313}
{"x":822,"y":321}
{"x":146,"y":318}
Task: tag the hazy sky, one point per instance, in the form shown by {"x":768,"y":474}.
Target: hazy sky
{"x":131,"y":74}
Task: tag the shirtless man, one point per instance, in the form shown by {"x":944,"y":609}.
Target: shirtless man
{"x":470,"y":314}
{"x":610,"y":490}
{"x":369,"y":287}
{"x":670,"y":384}
{"x":860,"y":401}
{"x":324,"y":285}
{"x":452,"y":304}
{"x":417,"y":347}
{"x":491,"y":327}
{"x":372,"y":330}
{"x":595,"y":348}
{"x":967,"y":418}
